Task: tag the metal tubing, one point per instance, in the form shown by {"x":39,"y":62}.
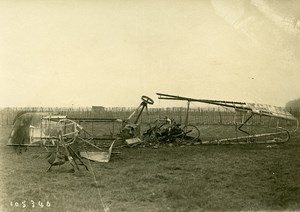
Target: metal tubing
{"x":143,"y":105}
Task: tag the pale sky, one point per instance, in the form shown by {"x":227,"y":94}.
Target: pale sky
{"x":110,"y":53}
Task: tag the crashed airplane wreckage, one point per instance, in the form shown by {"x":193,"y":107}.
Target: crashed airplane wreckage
{"x":61,"y":137}
{"x":278,"y":135}
{"x":68,"y":141}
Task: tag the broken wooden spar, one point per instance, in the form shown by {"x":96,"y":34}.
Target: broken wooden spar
{"x":259,"y":109}
{"x":253,"y":109}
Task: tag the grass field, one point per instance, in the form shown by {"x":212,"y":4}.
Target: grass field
{"x":190,"y":178}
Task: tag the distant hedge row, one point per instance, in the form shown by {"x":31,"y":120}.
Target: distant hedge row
{"x":196,"y":115}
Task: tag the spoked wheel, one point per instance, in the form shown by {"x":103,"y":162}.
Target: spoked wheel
{"x":190,"y":133}
{"x":69,"y":130}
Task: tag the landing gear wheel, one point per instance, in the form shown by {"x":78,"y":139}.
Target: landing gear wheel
{"x":147,"y":100}
{"x":190,"y":133}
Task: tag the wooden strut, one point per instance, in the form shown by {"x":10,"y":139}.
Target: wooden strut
{"x":252,"y":137}
{"x":238,"y":140}
{"x":240,"y":127}
{"x":142,"y":105}
{"x":71,"y":155}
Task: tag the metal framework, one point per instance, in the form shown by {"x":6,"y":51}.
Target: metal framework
{"x":280,"y":136}
{"x":66,"y":140}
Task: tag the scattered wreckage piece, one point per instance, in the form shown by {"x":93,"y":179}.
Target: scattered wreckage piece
{"x":131,"y":132}
{"x":168,"y":131}
{"x":112,"y":132}
{"x":102,"y":157}
{"x":61,"y":137}
{"x":133,"y":141}
{"x":34,"y":129}
{"x":64,"y":151}
{"x":65,"y":139}
{"x":281,"y":135}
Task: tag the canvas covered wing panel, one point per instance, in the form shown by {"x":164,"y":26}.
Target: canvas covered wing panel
{"x":270,"y":110}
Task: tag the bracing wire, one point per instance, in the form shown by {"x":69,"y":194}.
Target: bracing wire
{"x":97,"y":184}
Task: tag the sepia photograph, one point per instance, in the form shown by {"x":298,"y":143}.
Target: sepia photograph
{"x":136,"y":105}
